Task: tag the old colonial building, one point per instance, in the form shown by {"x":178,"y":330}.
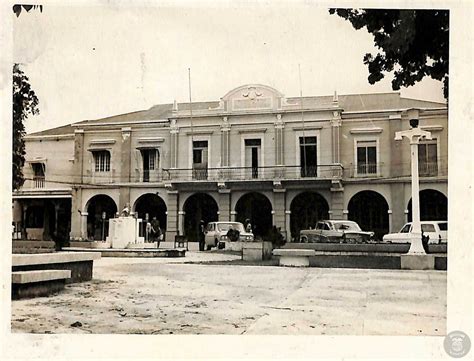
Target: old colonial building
{"x":253,"y":154}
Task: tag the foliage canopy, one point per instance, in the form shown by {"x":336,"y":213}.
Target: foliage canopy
{"x":413,"y":43}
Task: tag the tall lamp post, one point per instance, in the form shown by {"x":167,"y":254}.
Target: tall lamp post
{"x":414,"y":135}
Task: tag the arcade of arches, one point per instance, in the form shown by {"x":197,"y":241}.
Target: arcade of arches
{"x":199,"y":206}
{"x":433,"y":206}
{"x":152,"y":205}
{"x":256,"y":208}
{"x":307,"y":208}
{"x":97,"y":225}
{"x":370,"y":210}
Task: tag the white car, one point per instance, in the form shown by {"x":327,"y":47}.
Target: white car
{"x":437,"y":231}
{"x":216,"y":232}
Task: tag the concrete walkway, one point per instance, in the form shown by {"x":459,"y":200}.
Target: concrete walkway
{"x":164,"y":296}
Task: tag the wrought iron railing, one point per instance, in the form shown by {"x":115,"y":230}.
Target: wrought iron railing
{"x":38,"y":181}
{"x":253,"y":173}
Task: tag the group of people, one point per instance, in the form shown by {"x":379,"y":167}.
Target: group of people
{"x":153,"y":231}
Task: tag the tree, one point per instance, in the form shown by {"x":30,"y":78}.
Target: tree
{"x":18,"y":8}
{"x":25,"y":102}
{"x":413,"y":43}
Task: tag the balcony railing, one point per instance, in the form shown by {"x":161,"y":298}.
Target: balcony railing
{"x":253,"y":173}
{"x":38,"y":181}
{"x":428,"y":169}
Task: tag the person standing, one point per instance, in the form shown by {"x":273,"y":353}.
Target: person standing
{"x":202,"y":235}
{"x":157,"y":233}
{"x":248,"y":226}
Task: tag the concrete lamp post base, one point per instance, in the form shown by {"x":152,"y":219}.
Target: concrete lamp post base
{"x":417,"y":262}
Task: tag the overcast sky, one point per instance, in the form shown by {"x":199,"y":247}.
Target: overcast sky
{"x":92,"y":62}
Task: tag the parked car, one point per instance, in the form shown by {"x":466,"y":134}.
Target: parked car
{"x":436,"y":231}
{"x":335,"y":231}
{"x":216,"y":232}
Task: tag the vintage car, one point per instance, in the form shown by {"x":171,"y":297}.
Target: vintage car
{"x":436,"y":231}
{"x":335,"y":231}
{"x":216,"y":232}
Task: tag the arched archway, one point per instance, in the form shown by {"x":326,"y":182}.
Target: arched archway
{"x":95,"y":224}
{"x":199,"y":206}
{"x":154,"y":206}
{"x":433,"y":206}
{"x":370,"y":210}
{"x":306,"y":209}
{"x":258,"y":209}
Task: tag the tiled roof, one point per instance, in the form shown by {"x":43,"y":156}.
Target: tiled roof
{"x":351,"y":102}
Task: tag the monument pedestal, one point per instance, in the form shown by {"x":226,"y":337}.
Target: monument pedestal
{"x":122,"y":231}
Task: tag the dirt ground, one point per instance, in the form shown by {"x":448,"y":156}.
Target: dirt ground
{"x":193,"y":295}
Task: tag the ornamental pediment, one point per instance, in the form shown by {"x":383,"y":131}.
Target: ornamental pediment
{"x":252,"y":97}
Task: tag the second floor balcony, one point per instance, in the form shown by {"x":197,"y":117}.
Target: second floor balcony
{"x":332,"y":171}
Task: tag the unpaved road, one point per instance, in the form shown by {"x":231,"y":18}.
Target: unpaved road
{"x":172,"y":296}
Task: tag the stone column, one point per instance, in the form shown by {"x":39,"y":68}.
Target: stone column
{"x":279,"y":209}
{"x":83,"y":235}
{"x":288,"y":225}
{"x":224,"y":205}
{"x":172,"y":215}
{"x":78,"y":166}
{"x":76,"y":208}
{"x":336,"y":123}
{"x":225,"y":143}
{"x":126,"y":153}
{"x":181,"y":215}
{"x":390,"y":228}
{"x":337,"y":203}
{"x":174,"y":131}
{"x":233,"y":216}
{"x":279,"y":144}
{"x":345,"y":214}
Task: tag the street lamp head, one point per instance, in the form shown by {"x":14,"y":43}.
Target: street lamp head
{"x":414,"y":123}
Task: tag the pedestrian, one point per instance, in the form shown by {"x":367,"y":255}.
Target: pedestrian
{"x":157,"y":233}
{"x":248,"y":226}
{"x":201,"y":235}
{"x":148,"y":231}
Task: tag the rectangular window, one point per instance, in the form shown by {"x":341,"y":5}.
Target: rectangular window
{"x":200,"y":155}
{"x":367,"y":157}
{"x":39,"y":174}
{"x":252,"y":156}
{"x":428,"y":158}
{"x":102,"y":161}
{"x":150,"y":160}
{"x":308,"y":156}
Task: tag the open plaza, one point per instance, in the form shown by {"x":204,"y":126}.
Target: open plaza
{"x":214,"y":293}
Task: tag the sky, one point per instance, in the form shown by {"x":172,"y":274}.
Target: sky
{"x":89,"y":62}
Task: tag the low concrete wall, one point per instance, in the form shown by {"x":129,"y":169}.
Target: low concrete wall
{"x":369,"y":247}
{"x":257,"y":251}
{"x":79,"y":263}
{"x":37,"y":289}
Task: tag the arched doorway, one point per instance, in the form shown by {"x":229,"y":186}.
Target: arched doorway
{"x":306,"y":209}
{"x":154,"y":206}
{"x":258,"y":209}
{"x":433,"y":206}
{"x":370,"y":210}
{"x":199,"y":206}
{"x":98,"y":228}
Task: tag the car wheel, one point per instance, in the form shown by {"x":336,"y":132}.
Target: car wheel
{"x":304,"y":239}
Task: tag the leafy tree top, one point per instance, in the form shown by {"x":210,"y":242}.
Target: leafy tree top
{"x":413,"y":43}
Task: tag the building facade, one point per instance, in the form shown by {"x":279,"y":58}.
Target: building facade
{"x":255,"y":154}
